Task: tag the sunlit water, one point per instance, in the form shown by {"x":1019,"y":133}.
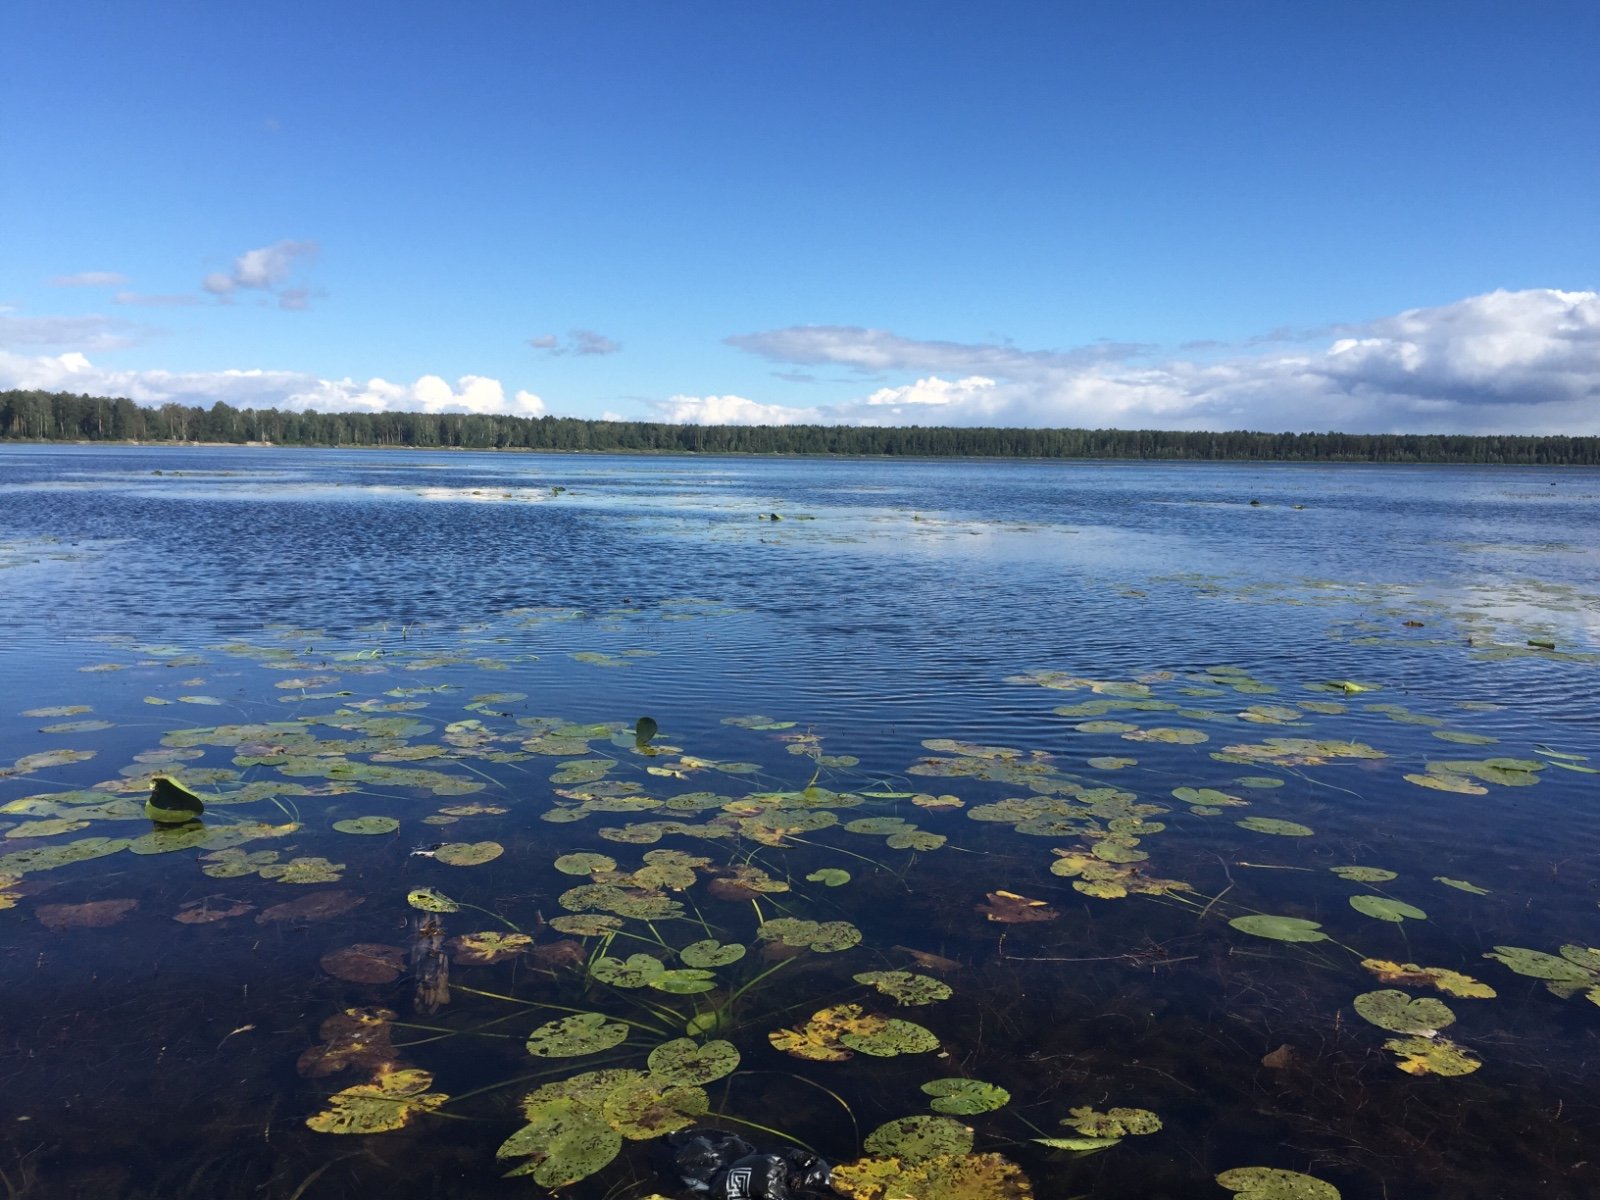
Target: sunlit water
{"x":876,"y":606}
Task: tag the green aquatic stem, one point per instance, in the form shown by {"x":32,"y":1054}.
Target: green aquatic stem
{"x":527,"y":1004}
{"x":734,"y":998}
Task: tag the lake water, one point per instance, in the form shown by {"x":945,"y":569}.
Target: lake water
{"x":1115,"y":779}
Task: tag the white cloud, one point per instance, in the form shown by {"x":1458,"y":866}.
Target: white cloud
{"x":91,"y":279}
{"x":579,"y":341}
{"x":295,"y":391}
{"x":89,"y":332}
{"x":265,"y":269}
{"x":734,"y":410}
{"x":143,"y":300}
{"x":1511,"y":362}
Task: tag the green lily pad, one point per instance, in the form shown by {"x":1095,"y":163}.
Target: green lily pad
{"x":1382,"y":908}
{"x":468,"y":854}
{"x":1461,"y":885}
{"x":1274,"y":1183}
{"x":918,"y":1139}
{"x":585,"y":863}
{"x":1273,"y":825}
{"x":683,"y":1060}
{"x":586,"y":924}
{"x":710,"y":953}
{"x":429,"y":900}
{"x":171,"y":803}
{"x":825,"y":937}
{"x":1364,"y":874}
{"x":567,"y":1141}
{"x":891,"y":1038}
{"x":579,"y":1034}
{"x":367,"y":825}
{"x":635,"y":971}
{"x":1432,"y":1056}
{"x":685,"y":981}
{"x":829,"y":876}
{"x":906,"y":986}
{"x":1535,"y":964}
{"x":303,"y":870}
{"x":642,"y":1108}
{"x":965,"y":1097}
{"x":1399,"y":1013}
{"x":1116,"y":1123}
{"x":1279,"y":929}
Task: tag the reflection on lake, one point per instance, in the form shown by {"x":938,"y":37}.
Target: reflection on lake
{"x":1113,"y":827}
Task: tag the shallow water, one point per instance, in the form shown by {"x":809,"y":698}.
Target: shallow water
{"x":369,"y":597}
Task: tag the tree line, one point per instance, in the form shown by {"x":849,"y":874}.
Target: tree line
{"x":62,"y":416}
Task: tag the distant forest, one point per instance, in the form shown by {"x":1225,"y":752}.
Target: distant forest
{"x":61,"y":416}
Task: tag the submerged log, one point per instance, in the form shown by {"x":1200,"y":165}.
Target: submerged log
{"x":430,"y":967}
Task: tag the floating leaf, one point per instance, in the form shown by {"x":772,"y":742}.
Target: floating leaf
{"x":1364,"y":874}
{"x":1274,"y":1183}
{"x":710,"y":953}
{"x":1432,"y":1056}
{"x":1441,"y":782}
{"x":918,"y":1139}
{"x":303,"y":870}
{"x":829,"y":876}
{"x":1399,"y":1013}
{"x":1384,"y":909}
{"x":942,"y":1177}
{"x":579,"y":1034}
{"x":367,"y":825}
{"x":825,"y":937}
{"x":585,"y":863}
{"x":319,"y":906}
{"x":430,"y":900}
{"x":1008,"y":908}
{"x":965,"y":1097}
{"x":686,"y":981}
{"x":1451,"y":983}
{"x":388,"y":1102}
{"x":1273,"y":825}
{"x":1461,"y":885}
{"x":1279,"y":929}
{"x":365,"y":962}
{"x":684,"y":1060}
{"x":586,"y":924}
{"x":1535,"y":964}
{"x":637,"y":970}
{"x":642,"y":1107}
{"x":890,"y":1036}
{"x":906,"y":986}
{"x":468,"y":854}
{"x":489,"y":946}
{"x":170,"y":803}
{"x":1117,"y":1123}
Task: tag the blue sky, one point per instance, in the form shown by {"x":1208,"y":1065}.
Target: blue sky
{"x":1368,"y":216}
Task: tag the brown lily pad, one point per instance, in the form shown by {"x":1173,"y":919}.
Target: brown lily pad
{"x":210,"y":908}
{"x":1008,"y":908}
{"x":356,"y":1037}
{"x":365,"y":962}
{"x":59,"y":918}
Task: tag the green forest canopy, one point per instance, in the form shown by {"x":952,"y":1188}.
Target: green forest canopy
{"x":62,"y":416}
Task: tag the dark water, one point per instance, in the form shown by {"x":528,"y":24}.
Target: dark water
{"x":314,"y":598}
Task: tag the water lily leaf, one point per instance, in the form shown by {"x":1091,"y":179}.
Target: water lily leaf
{"x":303,"y":870}
{"x":637,"y":970}
{"x":685,"y":981}
{"x":489,"y":946}
{"x":585,"y":863}
{"x":59,"y":918}
{"x":388,"y":1102}
{"x":207,"y":910}
{"x":1399,"y":1013}
{"x":1384,"y":909}
{"x":367,"y":825}
{"x":685,"y":1061}
{"x":586,"y":924}
{"x":49,"y":827}
{"x":644,"y":732}
{"x":906,"y":986}
{"x":642,"y":1108}
{"x":892,"y":1037}
{"x":1259,"y":782}
{"x":819,"y":1038}
{"x":1535,"y":964}
{"x":365,"y":962}
{"x":579,"y":1034}
{"x":1117,"y":1123}
{"x":942,"y":1177}
{"x":1432,"y":1056}
{"x":1442,"y":782}
{"x":710,"y":953}
{"x":1364,"y":874}
{"x":430,"y":900}
{"x":1084,"y":1144}
{"x":468,"y":854}
{"x":357,"y":1037}
{"x":915,"y":839}
{"x":1008,"y":908}
{"x":1207,"y":797}
{"x":829,"y":876}
{"x":965,"y":1097}
{"x":1451,"y":983}
{"x":1461,"y":885}
{"x":170,"y":803}
{"x":918,"y":1139}
{"x":1274,"y":1183}
{"x":46,"y":759}
{"x":1170,"y":735}
{"x":1273,"y":825}
{"x":825,"y":937}
{"x":1279,"y":929}
{"x":319,"y":906}
{"x":567,"y":1140}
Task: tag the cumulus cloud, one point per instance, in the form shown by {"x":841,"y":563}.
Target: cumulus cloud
{"x":266,"y":269}
{"x":91,"y":279}
{"x":292,"y":390}
{"x":579,"y":342}
{"x":1514,"y":362}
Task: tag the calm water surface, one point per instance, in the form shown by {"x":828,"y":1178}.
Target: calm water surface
{"x":1000,"y":668}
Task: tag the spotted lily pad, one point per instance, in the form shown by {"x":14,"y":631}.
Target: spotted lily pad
{"x":490,"y":946}
{"x":889,"y":1036}
{"x":825,"y":937}
{"x":579,"y":1034}
{"x":1399,"y":1013}
{"x":389,"y":1102}
{"x":1451,"y":983}
{"x":710,"y":953}
{"x":635,"y":971}
{"x":430,"y":900}
{"x":367,"y":825}
{"x":1364,"y":874}
{"x":1461,"y":885}
{"x":1116,"y":1123}
{"x":918,"y":1139}
{"x":565,"y":1139}
{"x":365,"y":962}
{"x":685,"y":1061}
{"x":1432,"y":1056}
{"x":940,"y":1177}
{"x":585,"y":863}
{"x":1274,"y":1183}
{"x":965,"y":1097}
{"x":1273,"y":825}
{"x":906,"y":986}
{"x":829,"y":876}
